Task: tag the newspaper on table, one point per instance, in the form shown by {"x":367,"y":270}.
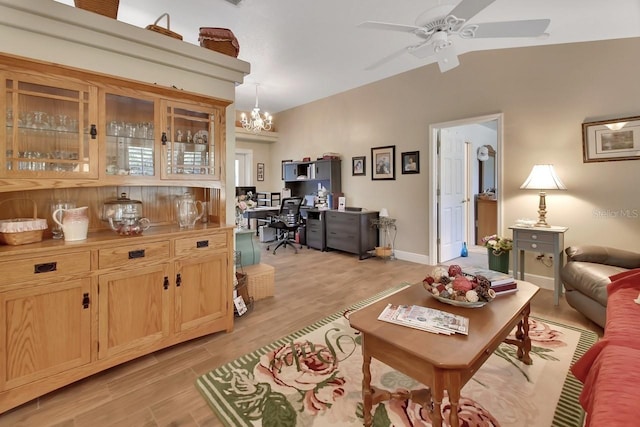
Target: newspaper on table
{"x":425,"y":319}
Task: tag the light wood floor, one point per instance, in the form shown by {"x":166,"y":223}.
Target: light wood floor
{"x":158,"y":389}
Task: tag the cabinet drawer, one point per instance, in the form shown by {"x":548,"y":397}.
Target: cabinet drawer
{"x":315,"y":233}
{"x":43,"y":267}
{"x":536,"y":246}
{"x":314,"y":228}
{"x":121,"y":256}
{"x":339,"y":218}
{"x":343,"y":242}
{"x":201,"y":244}
{"x":535,"y":236}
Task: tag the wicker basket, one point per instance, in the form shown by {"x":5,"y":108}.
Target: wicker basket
{"x":219,"y":39}
{"x":383,"y":251}
{"x":166,"y":31}
{"x":107,"y":8}
{"x":261,"y":280}
{"x":21,"y":231}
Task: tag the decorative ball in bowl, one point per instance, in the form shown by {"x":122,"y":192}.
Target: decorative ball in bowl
{"x":450,"y":286}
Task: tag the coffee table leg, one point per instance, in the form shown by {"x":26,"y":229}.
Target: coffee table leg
{"x":454,"y":401}
{"x":522,"y":341}
{"x":437,"y":393}
{"x":367,"y":393}
{"x":523,"y":351}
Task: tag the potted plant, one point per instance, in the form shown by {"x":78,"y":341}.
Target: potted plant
{"x":498,"y":249}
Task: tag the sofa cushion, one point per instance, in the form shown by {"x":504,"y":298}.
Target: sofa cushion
{"x":604,"y":255}
{"x":590,"y":279}
{"x":623,"y":318}
{"x":609,"y":395}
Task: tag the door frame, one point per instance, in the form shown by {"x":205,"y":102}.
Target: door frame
{"x":434,"y":177}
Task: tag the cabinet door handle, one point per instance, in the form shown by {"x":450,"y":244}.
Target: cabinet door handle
{"x":164,"y":138}
{"x":533,"y":245}
{"x":178,"y":280}
{"x":534,"y":236}
{"x":165,"y":284}
{"x":47,"y":267}
{"x":85,"y":300}
{"x":93,"y":132}
{"x":202,"y":244}
{"x":136,"y":254}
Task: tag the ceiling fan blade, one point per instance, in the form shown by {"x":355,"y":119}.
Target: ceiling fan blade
{"x":527,"y":28}
{"x":386,"y":59}
{"x":388,"y":26}
{"x":467,"y":9}
{"x":422,"y":51}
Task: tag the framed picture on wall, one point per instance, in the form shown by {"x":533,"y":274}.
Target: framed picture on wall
{"x":260,"y":174}
{"x":411,"y":162}
{"x":359,"y":166}
{"x":383,"y":162}
{"x":608,"y":140}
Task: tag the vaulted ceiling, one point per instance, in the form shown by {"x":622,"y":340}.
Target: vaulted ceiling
{"x":304,"y":50}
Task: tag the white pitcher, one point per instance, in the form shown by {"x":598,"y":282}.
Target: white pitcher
{"x":74,"y":223}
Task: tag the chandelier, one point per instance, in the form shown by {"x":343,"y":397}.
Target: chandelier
{"x":257,"y":122}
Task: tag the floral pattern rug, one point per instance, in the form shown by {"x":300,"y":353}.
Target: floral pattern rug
{"x":313,"y":377}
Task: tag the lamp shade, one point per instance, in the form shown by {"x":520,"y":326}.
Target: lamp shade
{"x":543,"y":177}
{"x":384,"y":212}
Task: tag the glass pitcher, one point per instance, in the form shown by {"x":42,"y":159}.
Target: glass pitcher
{"x":188,"y":210}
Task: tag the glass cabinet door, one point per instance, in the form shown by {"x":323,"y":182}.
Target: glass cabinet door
{"x":49,"y":129}
{"x":189,"y":142}
{"x":130,"y":135}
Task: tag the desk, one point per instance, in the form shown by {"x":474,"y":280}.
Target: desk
{"x":260,"y":212}
{"x":541,"y":240}
{"x":439,"y":361}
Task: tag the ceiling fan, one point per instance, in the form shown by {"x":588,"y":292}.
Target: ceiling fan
{"x":437,"y":25}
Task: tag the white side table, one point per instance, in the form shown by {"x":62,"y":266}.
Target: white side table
{"x":542,"y":240}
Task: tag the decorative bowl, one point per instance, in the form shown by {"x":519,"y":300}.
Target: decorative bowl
{"x":456,"y":303}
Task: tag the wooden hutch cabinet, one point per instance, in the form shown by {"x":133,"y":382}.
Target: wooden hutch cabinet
{"x":145,"y":115}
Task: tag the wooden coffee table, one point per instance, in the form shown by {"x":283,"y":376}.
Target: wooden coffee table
{"x":443,"y":362}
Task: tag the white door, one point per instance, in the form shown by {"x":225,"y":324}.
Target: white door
{"x":452,"y":200}
{"x":243,"y":167}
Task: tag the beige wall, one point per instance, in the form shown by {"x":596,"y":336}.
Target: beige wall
{"x":545,"y":93}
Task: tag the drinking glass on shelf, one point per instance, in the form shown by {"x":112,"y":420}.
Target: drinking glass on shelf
{"x":40,"y":121}
{"x":56,"y":206}
{"x":62,"y":123}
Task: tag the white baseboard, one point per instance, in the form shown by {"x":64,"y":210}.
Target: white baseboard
{"x":412,"y":257}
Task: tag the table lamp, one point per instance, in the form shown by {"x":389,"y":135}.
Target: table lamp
{"x":542,"y":177}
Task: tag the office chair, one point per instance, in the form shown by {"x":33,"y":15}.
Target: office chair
{"x":287,"y":222}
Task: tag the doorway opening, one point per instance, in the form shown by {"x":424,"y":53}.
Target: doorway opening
{"x":466,"y":184}
{"x":243,"y":167}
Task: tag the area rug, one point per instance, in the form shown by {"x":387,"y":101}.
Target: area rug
{"x":313,"y":377}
